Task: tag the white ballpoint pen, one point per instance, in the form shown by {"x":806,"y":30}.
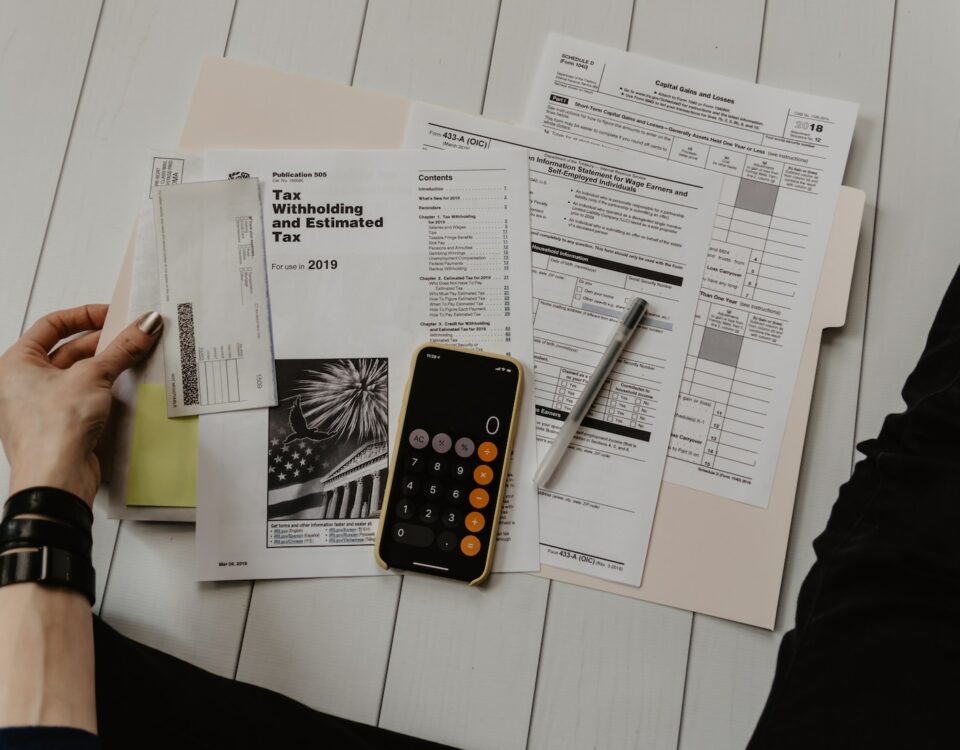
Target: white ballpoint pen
{"x":625,"y":328}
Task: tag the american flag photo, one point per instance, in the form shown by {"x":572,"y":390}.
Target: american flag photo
{"x":327,"y":448}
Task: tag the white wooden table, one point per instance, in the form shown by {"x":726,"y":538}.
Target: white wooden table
{"x":86,"y":86}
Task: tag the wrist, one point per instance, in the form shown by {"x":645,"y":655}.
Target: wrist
{"x":60,"y":478}
{"x":48,"y":645}
{"x":51,"y":462}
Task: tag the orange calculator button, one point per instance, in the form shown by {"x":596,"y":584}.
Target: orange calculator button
{"x":469,"y":545}
{"x":475,"y":521}
{"x":479,"y":497}
{"x":483,"y":474}
{"x":487,"y":451}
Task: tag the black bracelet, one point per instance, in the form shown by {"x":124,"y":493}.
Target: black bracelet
{"x":41,"y":532}
{"x":49,"y":566}
{"x":52,"y":503}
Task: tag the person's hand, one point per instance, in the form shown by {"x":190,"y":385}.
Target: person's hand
{"x":54,"y":401}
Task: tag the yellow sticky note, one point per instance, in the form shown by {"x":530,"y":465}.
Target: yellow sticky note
{"x":163,"y":458}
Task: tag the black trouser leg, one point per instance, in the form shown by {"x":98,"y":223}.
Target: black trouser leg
{"x":874,"y":658}
{"x":146,"y":698}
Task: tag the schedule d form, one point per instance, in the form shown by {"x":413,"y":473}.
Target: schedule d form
{"x":602,"y":231}
{"x":781,"y":155}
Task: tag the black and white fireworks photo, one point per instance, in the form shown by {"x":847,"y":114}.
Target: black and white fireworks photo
{"x":327,"y":450}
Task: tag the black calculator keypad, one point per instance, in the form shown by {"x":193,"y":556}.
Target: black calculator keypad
{"x":445,"y":491}
{"x":448,"y":469}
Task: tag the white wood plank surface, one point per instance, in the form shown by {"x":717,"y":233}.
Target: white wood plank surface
{"x":722,"y":36}
{"x":918,"y":225}
{"x":311,"y":37}
{"x":324,"y":642}
{"x":137,"y":91}
{"x":521,"y":30}
{"x":137,"y":88}
{"x":611,"y":672}
{"x":845,"y":49}
{"x":463,"y":658}
{"x":434,"y":50}
{"x":44,"y":48}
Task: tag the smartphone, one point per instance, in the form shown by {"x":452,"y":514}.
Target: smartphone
{"x":448,"y":470}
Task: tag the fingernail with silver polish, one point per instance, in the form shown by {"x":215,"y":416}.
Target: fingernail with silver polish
{"x":151,"y":323}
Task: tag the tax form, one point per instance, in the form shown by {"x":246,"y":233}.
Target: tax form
{"x":370,"y":253}
{"x":602,"y":232}
{"x":782,"y":156}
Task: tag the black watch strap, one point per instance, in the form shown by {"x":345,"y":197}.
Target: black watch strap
{"x":49,"y":566}
{"x":34,"y":532}
{"x":50,"y":502}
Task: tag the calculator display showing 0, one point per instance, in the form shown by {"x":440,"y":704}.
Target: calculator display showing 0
{"x":449,"y":464}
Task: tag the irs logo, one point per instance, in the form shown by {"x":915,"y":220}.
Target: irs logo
{"x":238,"y":175}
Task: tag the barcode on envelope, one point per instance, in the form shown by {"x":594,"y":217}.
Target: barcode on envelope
{"x":188,"y":355}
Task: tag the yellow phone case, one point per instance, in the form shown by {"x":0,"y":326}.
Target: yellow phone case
{"x":386,"y":505}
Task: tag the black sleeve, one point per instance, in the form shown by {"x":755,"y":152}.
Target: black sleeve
{"x":47,"y":738}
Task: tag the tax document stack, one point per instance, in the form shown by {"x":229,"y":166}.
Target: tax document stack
{"x":369,"y":254}
{"x":605,"y":229}
{"x":782,"y":156}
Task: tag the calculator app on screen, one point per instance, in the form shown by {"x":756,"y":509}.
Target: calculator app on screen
{"x":448,"y":474}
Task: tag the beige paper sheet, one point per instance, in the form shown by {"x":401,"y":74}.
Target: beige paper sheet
{"x":707,"y":554}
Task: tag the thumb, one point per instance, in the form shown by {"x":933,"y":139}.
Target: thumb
{"x":131,"y":345}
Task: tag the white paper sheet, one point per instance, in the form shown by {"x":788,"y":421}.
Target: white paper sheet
{"x":782,"y":156}
{"x":601,"y":234}
{"x":213,"y":287}
{"x":433,"y":248}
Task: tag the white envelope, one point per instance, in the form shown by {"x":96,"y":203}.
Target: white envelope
{"x":213,"y":285}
